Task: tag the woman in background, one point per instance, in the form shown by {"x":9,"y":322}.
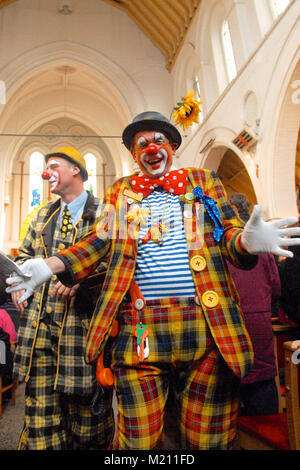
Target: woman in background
{"x":258,"y":289}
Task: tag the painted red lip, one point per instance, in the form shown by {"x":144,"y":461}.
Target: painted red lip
{"x":155,"y":161}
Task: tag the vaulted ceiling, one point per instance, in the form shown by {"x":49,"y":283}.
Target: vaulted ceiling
{"x":165,"y":22}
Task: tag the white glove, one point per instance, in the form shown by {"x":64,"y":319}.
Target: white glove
{"x":36,"y":272}
{"x":268,"y":237}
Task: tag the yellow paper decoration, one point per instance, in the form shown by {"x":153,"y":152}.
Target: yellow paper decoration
{"x":187,"y":111}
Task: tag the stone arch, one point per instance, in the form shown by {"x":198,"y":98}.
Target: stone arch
{"x":277,"y":153}
{"x":285,"y":146}
{"x":209,"y":51}
{"x":22,"y":148}
{"x":233,"y":169}
{"x":39,"y":120}
{"x":67,"y":52}
{"x":183,"y":73}
{"x":235,"y":177}
{"x":122,"y":96}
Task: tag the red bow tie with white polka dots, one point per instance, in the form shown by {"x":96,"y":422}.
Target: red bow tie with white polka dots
{"x":174,"y":182}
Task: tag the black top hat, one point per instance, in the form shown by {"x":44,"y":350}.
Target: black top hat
{"x":150,"y":121}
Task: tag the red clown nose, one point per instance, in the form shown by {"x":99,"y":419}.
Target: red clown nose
{"x":152,"y":149}
{"x":45,"y":175}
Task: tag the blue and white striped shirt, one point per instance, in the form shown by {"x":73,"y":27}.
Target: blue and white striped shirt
{"x":164,"y":271}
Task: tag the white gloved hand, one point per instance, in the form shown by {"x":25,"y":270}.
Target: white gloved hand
{"x":268,"y":237}
{"x":36,"y":272}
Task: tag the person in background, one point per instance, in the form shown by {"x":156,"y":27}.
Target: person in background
{"x":7,"y":305}
{"x":7,"y":325}
{"x":51,"y":345}
{"x":257,"y":289}
{"x":6,"y":361}
{"x":289,"y":271}
{"x":8,"y":338}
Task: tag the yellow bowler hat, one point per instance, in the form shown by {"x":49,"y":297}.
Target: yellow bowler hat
{"x":74,"y":156}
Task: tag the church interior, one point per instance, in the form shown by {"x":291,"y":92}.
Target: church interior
{"x":77,"y":72}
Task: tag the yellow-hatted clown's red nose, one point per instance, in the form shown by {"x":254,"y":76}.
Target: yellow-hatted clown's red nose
{"x":45,"y":175}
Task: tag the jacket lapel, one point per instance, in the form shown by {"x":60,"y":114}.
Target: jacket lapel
{"x":47,"y":232}
{"x":86,"y":220}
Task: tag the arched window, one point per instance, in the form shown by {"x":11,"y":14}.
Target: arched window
{"x":197,"y":94}
{"x":36,"y":166}
{"x":91,"y":166}
{"x":2,"y":92}
{"x":278,"y":7}
{"x":228,"y":51}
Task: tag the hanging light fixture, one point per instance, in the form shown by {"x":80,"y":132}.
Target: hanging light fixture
{"x":65,"y":7}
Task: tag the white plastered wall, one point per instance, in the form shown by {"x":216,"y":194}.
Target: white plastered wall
{"x":266,"y":75}
{"x":118,"y":73}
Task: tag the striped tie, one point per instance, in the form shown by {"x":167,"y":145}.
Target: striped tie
{"x":67,"y":225}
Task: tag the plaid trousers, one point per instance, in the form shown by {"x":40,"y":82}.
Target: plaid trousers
{"x":59,"y":421}
{"x":182,"y":355}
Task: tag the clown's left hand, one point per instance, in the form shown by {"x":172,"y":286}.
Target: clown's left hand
{"x":62,"y":292}
{"x":268,"y":237}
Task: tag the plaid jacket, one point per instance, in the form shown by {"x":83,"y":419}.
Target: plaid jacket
{"x":73,"y":375}
{"x":225,"y":320}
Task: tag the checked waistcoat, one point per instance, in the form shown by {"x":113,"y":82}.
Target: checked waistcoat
{"x":225,"y":319}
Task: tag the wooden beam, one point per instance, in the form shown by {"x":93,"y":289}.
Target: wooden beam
{"x":139,"y":18}
{"x":120,"y":5}
{"x":5,"y":3}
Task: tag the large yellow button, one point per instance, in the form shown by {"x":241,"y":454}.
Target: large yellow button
{"x":61,"y":246}
{"x":34,"y":324}
{"x":210,"y":299}
{"x":49,"y":309}
{"x":198,"y":263}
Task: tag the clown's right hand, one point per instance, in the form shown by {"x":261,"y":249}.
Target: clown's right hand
{"x":15,"y":296}
{"x":36,"y":272}
{"x":269,"y":237}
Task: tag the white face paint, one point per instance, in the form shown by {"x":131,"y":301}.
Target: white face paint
{"x":155,"y":165}
{"x":54,"y":168}
{"x":153,"y":153}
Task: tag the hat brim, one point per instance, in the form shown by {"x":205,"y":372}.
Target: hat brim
{"x":150,"y":125}
{"x":83,"y":171}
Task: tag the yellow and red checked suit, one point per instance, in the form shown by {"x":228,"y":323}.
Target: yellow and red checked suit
{"x":224,"y":320}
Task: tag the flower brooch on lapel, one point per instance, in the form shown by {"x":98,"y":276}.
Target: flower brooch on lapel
{"x":138,"y":215}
